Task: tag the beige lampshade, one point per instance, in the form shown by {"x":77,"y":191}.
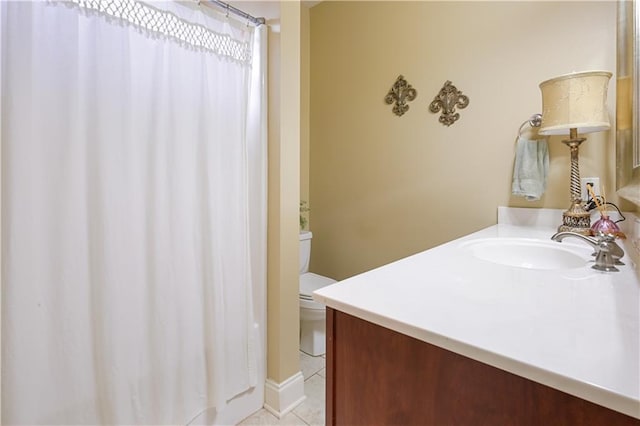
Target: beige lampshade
{"x":575,"y":101}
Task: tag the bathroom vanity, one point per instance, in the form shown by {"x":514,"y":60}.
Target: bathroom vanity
{"x":466,"y":334}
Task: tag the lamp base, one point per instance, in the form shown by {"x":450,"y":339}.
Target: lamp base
{"x":576,"y":219}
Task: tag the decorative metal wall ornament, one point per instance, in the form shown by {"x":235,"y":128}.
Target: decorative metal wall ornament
{"x":401,"y":92}
{"x":447,"y":100}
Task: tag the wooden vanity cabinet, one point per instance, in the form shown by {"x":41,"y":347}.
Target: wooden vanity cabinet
{"x":376,"y":376}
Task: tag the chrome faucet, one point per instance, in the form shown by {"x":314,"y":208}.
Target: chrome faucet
{"x":608,"y":253}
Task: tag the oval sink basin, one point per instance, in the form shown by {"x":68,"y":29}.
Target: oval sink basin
{"x":531,"y":254}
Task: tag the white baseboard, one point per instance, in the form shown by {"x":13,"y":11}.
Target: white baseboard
{"x":281,"y":398}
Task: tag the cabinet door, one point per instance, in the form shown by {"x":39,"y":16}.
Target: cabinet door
{"x":376,"y":376}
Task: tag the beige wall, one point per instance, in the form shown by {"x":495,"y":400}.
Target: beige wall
{"x":305,"y":57}
{"x":383,"y":187}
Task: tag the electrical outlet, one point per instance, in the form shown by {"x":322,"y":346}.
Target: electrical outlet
{"x":595,"y":185}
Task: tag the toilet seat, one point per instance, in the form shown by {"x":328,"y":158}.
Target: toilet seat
{"x":309,"y":283}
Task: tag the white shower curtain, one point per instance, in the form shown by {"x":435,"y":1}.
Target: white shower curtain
{"x":133,"y":227}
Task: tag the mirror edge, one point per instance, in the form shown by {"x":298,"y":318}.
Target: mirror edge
{"x":627,"y":126}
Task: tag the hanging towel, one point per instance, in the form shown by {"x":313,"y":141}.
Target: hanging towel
{"x":530,"y":168}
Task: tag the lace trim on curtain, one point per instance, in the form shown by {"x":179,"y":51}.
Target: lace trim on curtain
{"x":165,"y":24}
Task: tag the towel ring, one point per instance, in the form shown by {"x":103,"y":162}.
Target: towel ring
{"x":534,"y":121}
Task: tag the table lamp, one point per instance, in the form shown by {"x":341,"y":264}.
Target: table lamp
{"x":575,"y":104}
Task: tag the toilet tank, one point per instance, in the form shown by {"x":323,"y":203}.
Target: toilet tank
{"x":305,"y":251}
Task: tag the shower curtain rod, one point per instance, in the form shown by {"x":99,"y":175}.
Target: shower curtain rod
{"x":229,"y":8}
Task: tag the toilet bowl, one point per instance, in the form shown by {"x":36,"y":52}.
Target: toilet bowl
{"x":312,"y":313}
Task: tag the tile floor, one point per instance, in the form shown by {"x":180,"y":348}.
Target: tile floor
{"x":311,"y":411}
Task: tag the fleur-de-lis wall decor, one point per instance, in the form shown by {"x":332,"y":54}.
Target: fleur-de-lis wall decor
{"x":447,"y":100}
{"x":401,"y":92}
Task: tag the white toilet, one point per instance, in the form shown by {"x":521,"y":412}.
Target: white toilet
{"x":312,"y":314}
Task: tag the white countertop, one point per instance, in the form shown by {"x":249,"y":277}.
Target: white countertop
{"x":576,"y":330}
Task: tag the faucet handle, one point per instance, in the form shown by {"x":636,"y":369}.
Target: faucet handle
{"x":611,"y":246}
{"x":601,"y":236}
{"x":608,"y":253}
